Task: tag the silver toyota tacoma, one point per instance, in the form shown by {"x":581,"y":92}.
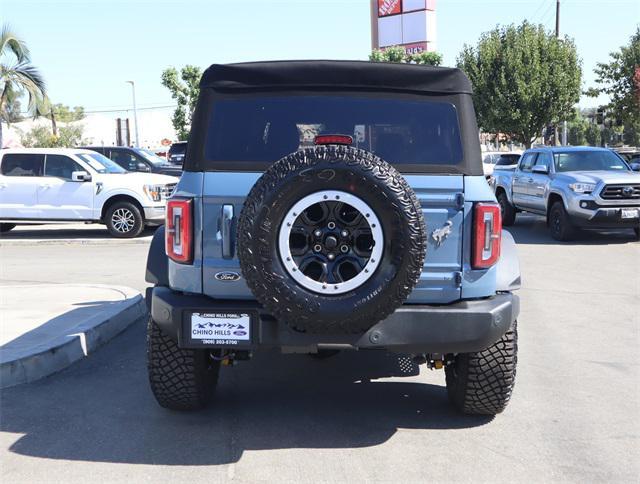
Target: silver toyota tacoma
{"x":574,"y":187}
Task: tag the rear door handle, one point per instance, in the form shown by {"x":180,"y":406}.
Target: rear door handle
{"x":3,"y":185}
{"x":45,"y":185}
{"x":227,"y":239}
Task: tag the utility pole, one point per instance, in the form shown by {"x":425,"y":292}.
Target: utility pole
{"x":135,"y":111}
{"x":564,"y":123}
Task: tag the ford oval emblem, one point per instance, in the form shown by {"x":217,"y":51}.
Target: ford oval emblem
{"x":227,"y":276}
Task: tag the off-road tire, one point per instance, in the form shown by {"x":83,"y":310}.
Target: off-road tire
{"x":560,"y":225}
{"x":180,"y":379}
{"x":4,"y":228}
{"x":138,"y":220}
{"x":357,"y":172}
{"x":507,"y":210}
{"x":481,"y":383}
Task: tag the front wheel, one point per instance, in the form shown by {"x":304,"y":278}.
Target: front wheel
{"x":560,"y":224}
{"x":637,"y":231}
{"x":481,"y":383}
{"x":180,"y":379}
{"x":124,"y":220}
{"x":507,"y":210}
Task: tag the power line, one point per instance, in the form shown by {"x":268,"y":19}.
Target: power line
{"x":116,"y":110}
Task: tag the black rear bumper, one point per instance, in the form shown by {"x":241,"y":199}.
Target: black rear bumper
{"x":454,"y":328}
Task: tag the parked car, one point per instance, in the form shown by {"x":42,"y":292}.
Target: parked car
{"x":507,"y":161}
{"x":493,"y":159}
{"x":333,"y":205}
{"x":177,"y":152}
{"x":137,"y":159}
{"x":75,"y":185}
{"x":630,"y":154}
{"x":578,"y":187}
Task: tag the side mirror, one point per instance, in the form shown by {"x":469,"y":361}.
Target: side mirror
{"x":542,"y":169}
{"x":143,"y":167}
{"x":80,"y":176}
{"x":635,"y":166}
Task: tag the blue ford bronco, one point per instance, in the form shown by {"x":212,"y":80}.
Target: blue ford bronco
{"x":332,"y":205}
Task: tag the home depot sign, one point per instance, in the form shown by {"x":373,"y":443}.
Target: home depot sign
{"x":407,"y":23}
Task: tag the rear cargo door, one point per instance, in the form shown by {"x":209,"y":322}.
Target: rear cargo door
{"x":223,"y":197}
{"x":441,"y":199}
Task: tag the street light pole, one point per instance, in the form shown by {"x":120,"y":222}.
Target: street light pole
{"x":135,"y":111}
{"x":564,"y":123}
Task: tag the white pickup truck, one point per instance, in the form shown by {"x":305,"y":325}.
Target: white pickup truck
{"x":574,"y":187}
{"x":72,"y":185}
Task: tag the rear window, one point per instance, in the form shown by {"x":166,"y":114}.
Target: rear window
{"x":178,"y":148}
{"x":265,"y":129}
{"x":507,"y":160}
{"x":22,"y":164}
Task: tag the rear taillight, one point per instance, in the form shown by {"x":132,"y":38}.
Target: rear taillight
{"x":179,"y":230}
{"x":487,"y":234}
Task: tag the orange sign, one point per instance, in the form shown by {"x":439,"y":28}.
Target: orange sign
{"x":389,"y":7}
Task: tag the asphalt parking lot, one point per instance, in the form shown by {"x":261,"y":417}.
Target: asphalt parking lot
{"x":574,"y":416}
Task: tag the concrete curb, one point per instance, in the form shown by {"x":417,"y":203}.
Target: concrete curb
{"x":5,"y":242}
{"x":87,"y":336}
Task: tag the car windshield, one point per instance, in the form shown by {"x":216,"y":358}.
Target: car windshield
{"x":101,"y":163}
{"x":507,"y":160}
{"x":264,"y":129}
{"x":152,"y":157}
{"x":588,"y":161}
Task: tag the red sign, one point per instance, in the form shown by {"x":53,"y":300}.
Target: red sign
{"x":389,"y":7}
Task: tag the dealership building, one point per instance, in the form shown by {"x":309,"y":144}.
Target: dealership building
{"x":407,"y":23}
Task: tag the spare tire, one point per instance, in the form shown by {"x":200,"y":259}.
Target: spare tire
{"x":331,"y":239}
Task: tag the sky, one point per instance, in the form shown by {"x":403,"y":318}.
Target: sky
{"x":88,"y":49}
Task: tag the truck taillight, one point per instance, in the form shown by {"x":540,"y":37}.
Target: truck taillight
{"x":179,"y":230}
{"x":487,"y":235}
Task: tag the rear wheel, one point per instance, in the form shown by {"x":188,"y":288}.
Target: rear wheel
{"x":6,"y":227}
{"x":507,"y":210}
{"x":481,"y":383}
{"x":124,"y":220}
{"x":180,"y":379}
{"x":560,"y":224}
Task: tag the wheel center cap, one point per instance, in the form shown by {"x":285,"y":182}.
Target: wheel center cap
{"x":331,"y":242}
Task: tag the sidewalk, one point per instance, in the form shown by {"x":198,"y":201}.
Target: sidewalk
{"x":46,"y":327}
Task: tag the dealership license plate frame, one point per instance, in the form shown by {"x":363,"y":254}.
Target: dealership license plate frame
{"x":629,"y":213}
{"x":226,"y":321}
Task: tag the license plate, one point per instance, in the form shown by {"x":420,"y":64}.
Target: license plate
{"x":630,"y":213}
{"x":221,"y":328}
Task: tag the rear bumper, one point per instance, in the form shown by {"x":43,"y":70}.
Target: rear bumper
{"x":454,"y":328}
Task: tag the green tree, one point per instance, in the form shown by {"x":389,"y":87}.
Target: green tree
{"x":524,"y":79}
{"x":65,"y":114}
{"x":184,"y":88}
{"x":593,"y":135}
{"x":620,"y":80}
{"x":41,"y":137}
{"x":399,"y":54}
{"x":17,"y":75}
{"x":12,"y":112}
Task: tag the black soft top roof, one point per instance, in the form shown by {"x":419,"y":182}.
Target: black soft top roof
{"x":336,"y":74}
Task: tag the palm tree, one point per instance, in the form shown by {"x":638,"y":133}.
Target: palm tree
{"x":17,"y":75}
